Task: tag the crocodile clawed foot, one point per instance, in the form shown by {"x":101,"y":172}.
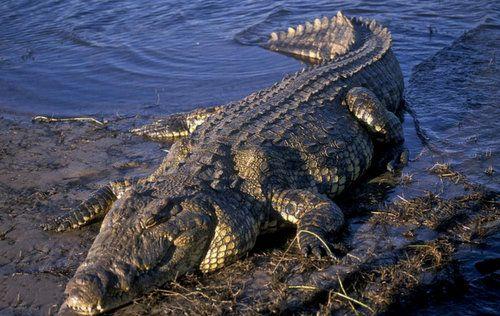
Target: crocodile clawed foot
{"x":313,"y":244}
{"x":168,"y":128}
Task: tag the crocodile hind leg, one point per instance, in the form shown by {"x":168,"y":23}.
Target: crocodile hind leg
{"x":94,"y":208}
{"x":175,"y":125}
{"x":315,"y":215}
{"x":382,"y":124}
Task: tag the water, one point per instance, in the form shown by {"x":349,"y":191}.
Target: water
{"x":106,"y":57}
{"x":455,"y":95}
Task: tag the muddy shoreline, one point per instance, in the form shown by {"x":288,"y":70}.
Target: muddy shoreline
{"x":422,"y":240}
{"x":47,"y":169}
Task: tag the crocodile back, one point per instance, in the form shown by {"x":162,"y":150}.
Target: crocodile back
{"x":301,"y":121}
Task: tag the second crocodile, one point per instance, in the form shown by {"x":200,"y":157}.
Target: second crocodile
{"x":278,"y":156}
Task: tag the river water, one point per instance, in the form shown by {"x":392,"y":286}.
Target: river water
{"x":107,"y":58}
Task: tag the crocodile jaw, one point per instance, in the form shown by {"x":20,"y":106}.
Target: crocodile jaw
{"x":100,"y":286}
{"x":97,"y":288}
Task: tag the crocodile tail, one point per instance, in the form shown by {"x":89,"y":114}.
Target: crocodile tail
{"x":323,"y":39}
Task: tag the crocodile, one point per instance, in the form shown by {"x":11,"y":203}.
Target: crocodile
{"x":279,"y":156}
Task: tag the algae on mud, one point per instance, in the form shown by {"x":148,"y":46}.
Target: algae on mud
{"x":402,"y":244}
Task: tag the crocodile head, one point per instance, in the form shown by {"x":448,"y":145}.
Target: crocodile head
{"x":143,"y":243}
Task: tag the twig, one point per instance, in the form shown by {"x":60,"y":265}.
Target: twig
{"x":411,"y":276}
{"x":353,"y":256}
{"x":345,"y":293}
{"x":284,"y":254}
{"x":46,"y":119}
{"x":354,"y":300}
{"x":403,"y":199}
{"x":313,"y":288}
{"x":303,"y":287}
{"x":3,"y":234}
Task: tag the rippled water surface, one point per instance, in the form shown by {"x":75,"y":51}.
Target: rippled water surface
{"x":455,"y":96}
{"x":107,"y":57}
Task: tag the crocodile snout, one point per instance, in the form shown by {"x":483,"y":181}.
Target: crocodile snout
{"x":85,"y":293}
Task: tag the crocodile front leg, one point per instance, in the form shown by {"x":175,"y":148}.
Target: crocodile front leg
{"x":315,"y":215}
{"x":381,"y":123}
{"x":94,"y":208}
{"x":176,"y":125}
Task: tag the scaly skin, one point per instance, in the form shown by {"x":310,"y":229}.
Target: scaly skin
{"x":279,"y":155}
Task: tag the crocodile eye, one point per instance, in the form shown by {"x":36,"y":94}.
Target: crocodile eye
{"x":176,"y":209}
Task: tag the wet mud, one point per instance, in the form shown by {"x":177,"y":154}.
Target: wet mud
{"x":422,"y":240}
{"x":45,"y":170}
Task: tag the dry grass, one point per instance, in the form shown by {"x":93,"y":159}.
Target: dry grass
{"x":280,"y":280}
{"x":392,"y":286}
{"x":406,"y":179}
{"x":444,"y":170}
{"x":465,"y":216}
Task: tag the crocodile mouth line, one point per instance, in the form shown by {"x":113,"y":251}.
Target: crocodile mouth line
{"x":86,"y":309}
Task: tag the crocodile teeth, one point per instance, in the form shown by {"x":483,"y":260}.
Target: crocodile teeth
{"x":300,"y":29}
{"x":325,"y":22}
{"x":282,"y":36}
{"x":309,"y":27}
{"x":317,"y":24}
